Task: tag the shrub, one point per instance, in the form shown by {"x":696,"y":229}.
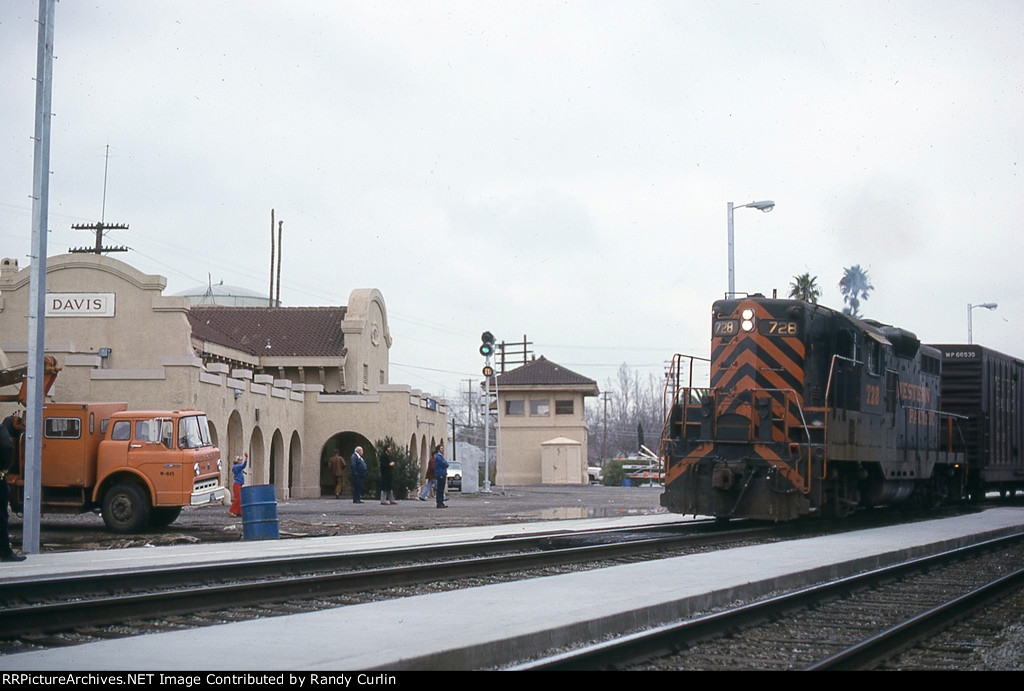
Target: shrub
{"x":613,"y":473}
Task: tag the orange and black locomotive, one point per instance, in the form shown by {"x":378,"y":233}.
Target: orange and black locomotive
{"x":809,"y":412}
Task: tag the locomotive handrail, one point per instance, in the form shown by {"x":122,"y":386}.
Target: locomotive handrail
{"x":828,"y":393}
{"x":803,"y":421}
{"x":666,"y":408}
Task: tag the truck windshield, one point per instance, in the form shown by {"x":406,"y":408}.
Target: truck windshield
{"x":194,"y":432}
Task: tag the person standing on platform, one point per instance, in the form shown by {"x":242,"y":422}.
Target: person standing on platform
{"x":430,"y":480}
{"x":441,"y":473}
{"x":10,"y":431}
{"x":387,"y":465}
{"x":338,"y":466}
{"x":358,"y":466}
{"x":238,"y":473}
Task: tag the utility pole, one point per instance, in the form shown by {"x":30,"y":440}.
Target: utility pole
{"x":37,"y":282}
{"x":98,"y":228}
{"x":469,"y":402}
{"x":270,"y":296}
{"x":280,"y":251}
{"x":102,"y":226}
{"x":604,"y":442}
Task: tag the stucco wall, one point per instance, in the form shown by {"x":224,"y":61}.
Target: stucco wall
{"x":284,"y":425}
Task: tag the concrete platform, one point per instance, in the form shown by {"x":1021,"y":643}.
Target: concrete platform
{"x":499,"y":624}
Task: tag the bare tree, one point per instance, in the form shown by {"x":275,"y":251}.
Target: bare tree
{"x":628,"y":414}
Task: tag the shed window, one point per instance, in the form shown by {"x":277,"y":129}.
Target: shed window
{"x":564,"y":407}
{"x":515,"y":407}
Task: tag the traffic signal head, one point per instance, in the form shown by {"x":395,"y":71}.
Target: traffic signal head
{"x":487,"y":348}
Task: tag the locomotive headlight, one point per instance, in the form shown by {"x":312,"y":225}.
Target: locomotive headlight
{"x":748,"y":320}
{"x":747,"y":314}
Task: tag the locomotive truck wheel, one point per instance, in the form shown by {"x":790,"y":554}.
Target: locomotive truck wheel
{"x":126,"y":508}
{"x":163,"y":516}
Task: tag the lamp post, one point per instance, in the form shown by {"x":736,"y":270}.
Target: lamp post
{"x":765,"y":207}
{"x":970,"y":307}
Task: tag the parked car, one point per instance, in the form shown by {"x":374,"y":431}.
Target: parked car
{"x":455,"y":475}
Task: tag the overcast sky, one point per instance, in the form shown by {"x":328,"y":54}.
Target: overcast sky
{"x":555,"y":170}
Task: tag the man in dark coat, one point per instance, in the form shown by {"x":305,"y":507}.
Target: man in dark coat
{"x":10,"y":431}
{"x":359,"y":471}
{"x":387,"y":465}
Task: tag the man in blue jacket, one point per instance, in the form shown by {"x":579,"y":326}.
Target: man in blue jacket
{"x":441,"y":473}
{"x":358,"y":466}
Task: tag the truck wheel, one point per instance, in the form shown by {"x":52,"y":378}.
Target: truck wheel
{"x":163,"y":516}
{"x":126,"y":508}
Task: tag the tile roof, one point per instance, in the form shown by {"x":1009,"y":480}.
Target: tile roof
{"x":290,"y":331}
{"x":543,"y":372}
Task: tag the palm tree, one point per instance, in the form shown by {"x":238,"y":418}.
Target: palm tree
{"x":805,"y":287}
{"x":855,"y":287}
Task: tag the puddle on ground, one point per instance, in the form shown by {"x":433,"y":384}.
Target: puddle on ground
{"x":567,"y":512}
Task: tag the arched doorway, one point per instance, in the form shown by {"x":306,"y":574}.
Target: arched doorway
{"x":258,"y":458}
{"x":236,"y":447}
{"x":294,"y":464}
{"x":345,"y":443}
{"x":278,"y":474}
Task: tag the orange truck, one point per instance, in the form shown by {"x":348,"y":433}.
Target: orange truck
{"x":136,"y":468}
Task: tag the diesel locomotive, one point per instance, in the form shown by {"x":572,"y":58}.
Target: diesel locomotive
{"x":809,"y":411}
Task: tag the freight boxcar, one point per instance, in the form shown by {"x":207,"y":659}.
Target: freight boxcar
{"x":984,"y":388}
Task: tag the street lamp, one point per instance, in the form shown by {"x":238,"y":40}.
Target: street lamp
{"x":764,"y":206}
{"x":986,"y":305}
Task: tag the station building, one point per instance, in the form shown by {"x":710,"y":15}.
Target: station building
{"x":287,"y":385}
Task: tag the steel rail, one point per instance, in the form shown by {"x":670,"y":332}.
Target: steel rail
{"x":672,"y":638}
{"x":885,"y":645}
{"x":216,"y":594}
{"x":64,"y":586}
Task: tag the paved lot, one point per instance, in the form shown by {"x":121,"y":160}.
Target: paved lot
{"x":328,"y":516}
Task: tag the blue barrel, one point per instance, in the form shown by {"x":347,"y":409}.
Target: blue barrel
{"x":259,"y":513}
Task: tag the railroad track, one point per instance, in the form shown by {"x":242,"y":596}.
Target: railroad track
{"x":861,"y":622}
{"x":44,"y":612}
